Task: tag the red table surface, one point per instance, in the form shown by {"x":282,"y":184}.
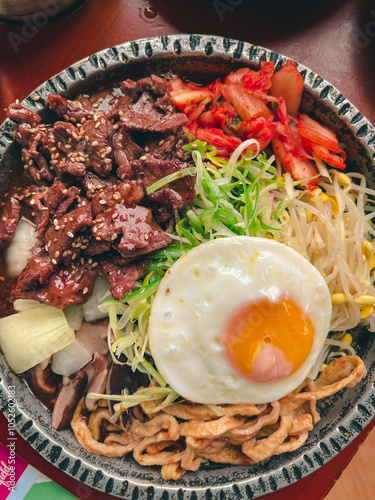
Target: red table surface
{"x":335,"y":38}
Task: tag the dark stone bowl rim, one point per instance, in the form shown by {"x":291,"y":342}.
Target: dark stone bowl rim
{"x":29,"y":419}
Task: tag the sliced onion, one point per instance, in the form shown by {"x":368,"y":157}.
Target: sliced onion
{"x":74,"y":316}
{"x":18,"y":251}
{"x":70,"y":359}
{"x":100,"y":294}
{"x":26,"y":304}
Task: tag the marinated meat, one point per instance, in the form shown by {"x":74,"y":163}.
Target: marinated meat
{"x":68,"y":286}
{"x":58,"y":198}
{"x":36,"y":273}
{"x":9,"y":221}
{"x":60,"y":238}
{"x":125,"y":148}
{"x":74,"y":111}
{"x":124,"y":193}
{"x":18,"y":113}
{"x":88,"y":174}
{"x":150,"y":108}
{"x":93,"y":184}
{"x":178,"y":193}
{"x":121,"y":278}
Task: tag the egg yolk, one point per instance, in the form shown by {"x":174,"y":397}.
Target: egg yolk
{"x":267,"y":341}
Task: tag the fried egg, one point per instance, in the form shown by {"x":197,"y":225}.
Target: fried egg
{"x":239,"y":320}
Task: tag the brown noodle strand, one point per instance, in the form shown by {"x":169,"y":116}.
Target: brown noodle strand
{"x":85,"y":439}
{"x":244,"y":434}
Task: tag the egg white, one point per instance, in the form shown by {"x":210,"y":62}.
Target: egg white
{"x":203,"y":289}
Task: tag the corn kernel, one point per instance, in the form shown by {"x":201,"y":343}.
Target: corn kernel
{"x":365,"y":300}
{"x":339,"y":298}
{"x":372,"y":264}
{"x":344,"y":180}
{"x":280,"y":178}
{"x":366,"y":311}
{"x":309,"y":215}
{"x":346,"y":220}
{"x":334,"y":204}
{"x":317,"y":191}
{"x":324,"y":196}
{"x":367,"y":249}
{"x":347,"y":339}
{"x":351,"y":196}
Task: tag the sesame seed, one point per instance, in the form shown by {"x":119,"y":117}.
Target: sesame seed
{"x":85,"y":290}
{"x":82,"y":261}
{"x":95,"y":229}
{"x":70,"y":234}
{"x":57,"y":254}
{"x":95,"y":143}
{"x":36,"y":98}
{"x":161,"y":142}
{"x":94,"y":264}
{"x":102,"y":202}
{"x":74,"y":256}
{"x":107,"y":160}
{"x":32,"y":202}
{"x":17,"y":101}
{"x":96,"y":105}
{"x":54,"y":262}
{"x":98,"y":238}
{"x":97,"y":125}
{"x":114,"y":236}
{"x":66,"y":273}
{"x":146,"y":236}
{"x":65,"y":254}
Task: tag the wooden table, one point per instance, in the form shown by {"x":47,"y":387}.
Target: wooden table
{"x":335,"y":38}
